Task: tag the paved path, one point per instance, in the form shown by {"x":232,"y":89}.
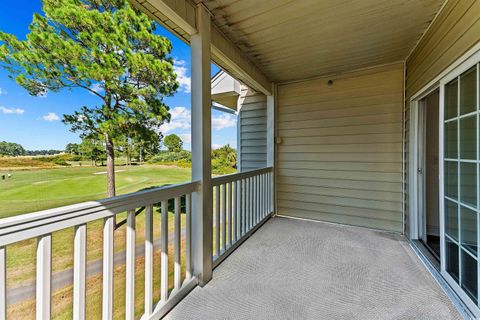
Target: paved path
{"x":64,"y":278}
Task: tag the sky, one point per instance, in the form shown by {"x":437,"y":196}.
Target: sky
{"x":35,"y":122}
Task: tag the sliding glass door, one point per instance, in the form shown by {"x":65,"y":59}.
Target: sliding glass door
{"x":460,"y":175}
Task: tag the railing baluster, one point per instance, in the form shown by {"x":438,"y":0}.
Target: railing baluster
{"x":272,"y":192}
{"x":267,"y":205}
{"x":217,"y":221}
{"x":130,"y":267}
{"x":44,"y":277}
{"x":239,"y":209}
{"x":107,"y":295}
{"x":188,"y":231}
{"x":224,"y":218}
{"x":247,"y":205}
{"x":79,"y":271}
{"x":164,"y":258}
{"x":252,"y":201}
{"x":260,"y":195}
{"x":177,"y":277}
{"x":233,"y":225}
{"x":264,"y":195}
{"x":3,"y":283}
{"x":260,"y":198}
{"x":149,"y":260}
{"x":257,"y":200}
{"x":229,"y":212}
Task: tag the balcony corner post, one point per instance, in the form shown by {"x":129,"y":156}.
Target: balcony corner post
{"x":271,"y":102}
{"x":201,"y":148}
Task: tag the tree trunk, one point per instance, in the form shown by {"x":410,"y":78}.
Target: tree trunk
{"x":110,"y":166}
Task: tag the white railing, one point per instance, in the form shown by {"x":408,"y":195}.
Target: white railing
{"x":241,"y":203}
{"x":42,"y":224}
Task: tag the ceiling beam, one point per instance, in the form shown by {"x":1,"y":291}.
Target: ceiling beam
{"x":179,"y":16}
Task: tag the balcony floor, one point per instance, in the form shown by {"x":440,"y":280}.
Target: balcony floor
{"x":293,"y":269}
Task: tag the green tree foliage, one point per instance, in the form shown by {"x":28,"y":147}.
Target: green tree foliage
{"x":93,"y":150}
{"x":173,"y":143}
{"x":107,"y":48}
{"x":72,"y":148}
{"x":11,"y":149}
{"x":49,"y":152}
{"x":226,"y":154}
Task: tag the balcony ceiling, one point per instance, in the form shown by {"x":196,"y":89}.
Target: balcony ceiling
{"x":298,"y":39}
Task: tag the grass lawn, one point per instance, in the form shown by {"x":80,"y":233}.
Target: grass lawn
{"x":33,"y":190}
{"x":43,"y":188}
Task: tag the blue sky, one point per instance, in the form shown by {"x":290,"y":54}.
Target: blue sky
{"x":34,"y":122}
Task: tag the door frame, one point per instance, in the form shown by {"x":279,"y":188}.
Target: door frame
{"x":469,"y":59}
{"x":416,"y":144}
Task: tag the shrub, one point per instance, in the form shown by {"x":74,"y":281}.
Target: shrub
{"x":165,"y":156}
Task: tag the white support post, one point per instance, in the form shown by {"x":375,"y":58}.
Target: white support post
{"x":271,"y":148}
{"x":44,"y":277}
{"x":201,"y":147}
{"x":79,"y":271}
{"x":130,"y":267}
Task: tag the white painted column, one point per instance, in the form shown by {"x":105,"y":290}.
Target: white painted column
{"x":201,"y":148}
{"x":271,"y":147}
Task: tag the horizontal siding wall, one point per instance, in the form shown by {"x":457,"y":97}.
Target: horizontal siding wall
{"x":340,"y":159}
{"x":455,"y":30}
{"x":253,"y":130}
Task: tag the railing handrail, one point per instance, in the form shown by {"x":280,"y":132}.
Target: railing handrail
{"x":29,"y":225}
{"x":216,"y":181}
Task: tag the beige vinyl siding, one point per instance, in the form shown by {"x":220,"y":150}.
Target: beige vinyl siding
{"x":455,"y":30}
{"x":253,"y":130}
{"x":340,"y":158}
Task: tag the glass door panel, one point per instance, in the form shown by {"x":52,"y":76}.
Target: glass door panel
{"x":461,"y":182}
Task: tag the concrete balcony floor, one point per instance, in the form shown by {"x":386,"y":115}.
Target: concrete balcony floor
{"x":294,"y":269}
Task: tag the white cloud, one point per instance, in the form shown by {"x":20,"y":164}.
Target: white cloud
{"x":5,"y":110}
{"x":181,"y":119}
{"x":51,"y":116}
{"x":179,"y":67}
{"x":3,"y":91}
{"x":186,"y":137}
{"x":223,"y":121}
{"x":216,"y":146}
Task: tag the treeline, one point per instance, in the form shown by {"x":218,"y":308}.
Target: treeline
{"x":11,"y":149}
{"x":224,"y":159}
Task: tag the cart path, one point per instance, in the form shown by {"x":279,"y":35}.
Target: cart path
{"x":64,"y":278}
